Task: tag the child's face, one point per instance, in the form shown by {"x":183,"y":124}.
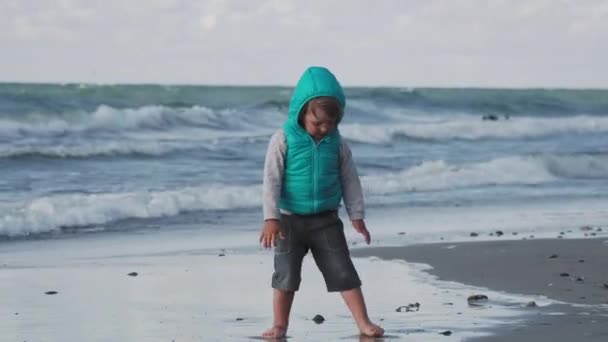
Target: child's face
{"x":318,"y":124}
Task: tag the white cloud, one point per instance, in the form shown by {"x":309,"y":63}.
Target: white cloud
{"x":208,"y":21}
{"x":391,"y":42}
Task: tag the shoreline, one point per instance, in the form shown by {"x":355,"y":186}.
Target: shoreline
{"x":528,"y":267}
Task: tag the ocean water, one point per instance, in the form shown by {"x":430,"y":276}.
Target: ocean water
{"x":100,"y":180}
{"x":78,"y":159}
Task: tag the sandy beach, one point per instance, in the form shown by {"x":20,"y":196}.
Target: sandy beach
{"x":571,"y":272}
{"x":180,"y":286}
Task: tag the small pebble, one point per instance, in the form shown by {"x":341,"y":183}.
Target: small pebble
{"x":132,"y":274}
{"x":477,"y":297}
{"x":553,"y":256}
{"x":474,"y":234}
{"x":446,"y":333}
{"x":318,"y":319}
{"x":581,"y":260}
{"x":239,"y":319}
{"x":564,"y":274}
{"x":50,"y":293}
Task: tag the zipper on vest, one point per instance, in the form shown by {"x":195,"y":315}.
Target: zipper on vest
{"x":315,"y":179}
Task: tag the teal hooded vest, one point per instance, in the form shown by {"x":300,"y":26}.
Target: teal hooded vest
{"x":311,"y":179}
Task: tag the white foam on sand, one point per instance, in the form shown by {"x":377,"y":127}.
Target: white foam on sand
{"x":185,"y":294}
{"x":403,"y":226}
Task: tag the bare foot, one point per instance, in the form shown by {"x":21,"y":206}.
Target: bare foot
{"x":372,"y":330}
{"x":275,"y":332}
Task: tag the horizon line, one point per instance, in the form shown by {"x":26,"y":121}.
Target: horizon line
{"x":346,"y":86}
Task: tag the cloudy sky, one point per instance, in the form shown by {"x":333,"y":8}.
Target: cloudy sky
{"x":510,"y":43}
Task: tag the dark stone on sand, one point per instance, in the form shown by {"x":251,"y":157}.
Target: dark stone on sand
{"x":553,"y":256}
{"x":16,"y":314}
{"x":490,"y":117}
{"x":50,"y":292}
{"x":515,"y":233}
{"x":593,"y":234}
{"x":132,"y":274}
{"x":318,"y":319}
{"x":474,"y":234}
{"x":585,"y":228}
{"x":409,"y":308}
{"x":564,"y":274}
{"x":531,"y":304}
{"x":560,"y":237}
{"x":606,"y":286}
{"x":446,"y":333}
{"x":562,"y":233}
{"x":477,"y":299}
{"x":599,"y":229}
{"x":491,"y":234}
{"x":580,"y":279}
{"x":221,"y":255}
{"x":581,"y":260}
{"x":499,"y":233}
{"x":239,"y":319}
{"x":401,"y":233}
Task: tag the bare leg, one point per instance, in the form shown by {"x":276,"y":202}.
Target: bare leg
{"x":355,"y":302}
{"x":281,"y":306}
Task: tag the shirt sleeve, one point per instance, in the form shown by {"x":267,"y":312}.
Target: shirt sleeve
{"x":351,"y":184}
{"x":274,"y":166}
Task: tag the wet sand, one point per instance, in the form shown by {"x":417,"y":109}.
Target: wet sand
{"x":572,"y":271}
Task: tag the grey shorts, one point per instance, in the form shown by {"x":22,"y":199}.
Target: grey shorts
{"x":323,"y":235}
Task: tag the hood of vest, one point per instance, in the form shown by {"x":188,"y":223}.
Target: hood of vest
{"x":315,"y":82}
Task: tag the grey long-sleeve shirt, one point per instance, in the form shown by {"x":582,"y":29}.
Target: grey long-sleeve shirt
{"x":273,"y":179}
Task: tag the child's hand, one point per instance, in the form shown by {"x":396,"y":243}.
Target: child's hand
{"x":360,"y":227}
{"x":271,"y":231}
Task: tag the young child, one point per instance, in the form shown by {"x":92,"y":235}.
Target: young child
{"x":308,"y":170}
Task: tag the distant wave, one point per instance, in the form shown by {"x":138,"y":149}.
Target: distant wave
{"x":439,"y":175}
{"x":51,"y":213}
{"x":100,"y":149}
{"x":106,"y":118}
{"x":529,"y":102}
{"x":19,"y":99}
{"x":469,"y":128}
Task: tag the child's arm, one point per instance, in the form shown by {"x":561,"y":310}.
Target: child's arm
{"x":271,"y":192}
{"x":351,"y":185}
{"x":352,"y":191}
